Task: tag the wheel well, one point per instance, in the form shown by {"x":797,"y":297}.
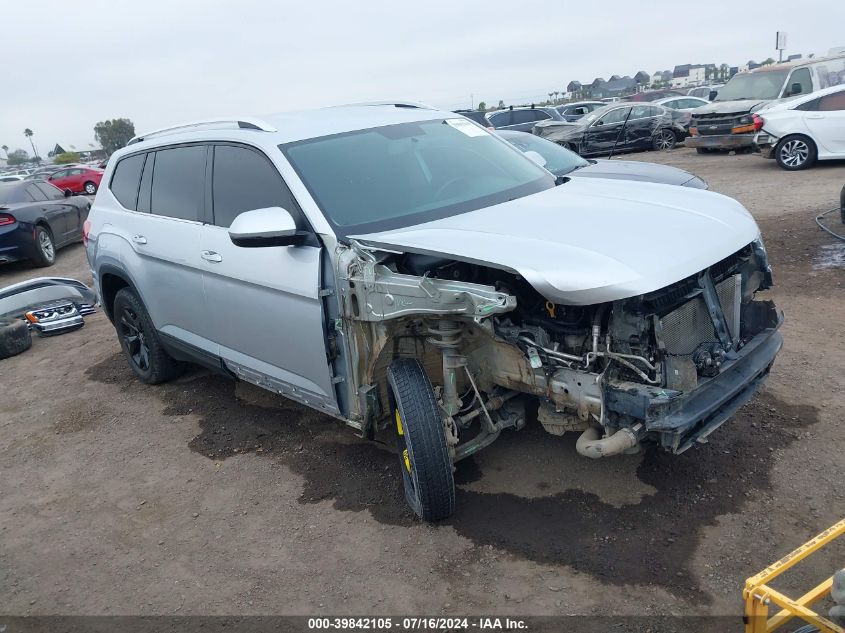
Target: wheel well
{"x":43,"y":224}
{"x":110,"y":284}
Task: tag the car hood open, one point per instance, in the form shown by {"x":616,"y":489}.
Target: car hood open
{"x":589,"y":240}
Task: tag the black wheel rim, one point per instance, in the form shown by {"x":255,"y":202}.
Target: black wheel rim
{"x":134,"y":340}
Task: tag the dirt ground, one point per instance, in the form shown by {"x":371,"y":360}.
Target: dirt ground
{"x":204,"y":496}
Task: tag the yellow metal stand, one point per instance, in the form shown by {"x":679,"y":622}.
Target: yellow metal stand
{"x":758,"y":595}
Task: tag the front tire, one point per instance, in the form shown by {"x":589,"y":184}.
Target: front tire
{"x":45,"y":248}
{"x":423,"y":454}
{"x":795,"y":152}
{"x":90,"y":188}
{"x":140,"y":342}
{"x":14,"y":338}
{"x":664,"y":140}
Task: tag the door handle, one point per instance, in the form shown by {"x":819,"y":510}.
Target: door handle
{"x":815,"y":116}
{"x":139,"y":239}
{"x":211,"y":256}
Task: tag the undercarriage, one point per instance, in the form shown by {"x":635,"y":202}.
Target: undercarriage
{"x":665,"y":368}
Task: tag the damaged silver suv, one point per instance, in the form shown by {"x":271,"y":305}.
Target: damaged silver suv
{"x":405,"y":271}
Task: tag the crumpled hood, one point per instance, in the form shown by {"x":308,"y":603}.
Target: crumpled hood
{"x":742,"y":106}
{"x":589,"y":240}
{"x":634,"y":170}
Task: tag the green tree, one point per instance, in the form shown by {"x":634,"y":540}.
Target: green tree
{"x":482,"y":106}
{"x":29,"y":134}
{"x":67,"y":157}
{"x":114,"y":134}
{"x":18,"y":157}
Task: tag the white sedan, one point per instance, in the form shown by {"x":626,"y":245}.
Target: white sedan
{"x":800,"y":131}
{"x":685,"y":104}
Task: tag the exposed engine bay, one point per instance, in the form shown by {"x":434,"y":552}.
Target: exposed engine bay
{"x":667,"y":367}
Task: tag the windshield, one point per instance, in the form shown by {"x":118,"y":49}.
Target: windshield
{"x":400,"y":175}
{"x":559,"y":160}
{"x":757,"y":86}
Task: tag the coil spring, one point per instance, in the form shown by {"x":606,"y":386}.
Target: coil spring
{"x":445,"y":333}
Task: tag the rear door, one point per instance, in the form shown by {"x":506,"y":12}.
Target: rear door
{"x":265,"y":304}
{"x":57,"y":217}
{"x":71,"y":213}
{"x":162,"y":194}
{"x":826,"y":121}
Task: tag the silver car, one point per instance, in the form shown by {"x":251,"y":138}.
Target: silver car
{"x":407,"y":272}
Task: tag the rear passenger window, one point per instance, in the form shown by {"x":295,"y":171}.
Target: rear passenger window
{"x":124,"y":182}
{"x":179,"y":183}
{"x":52,"y":193}
{"x":500,"y":119}
{"x":146,"y":184}
{"x":833,"y":102}
{"x":35,"y":193}
{"x":244,"y":180}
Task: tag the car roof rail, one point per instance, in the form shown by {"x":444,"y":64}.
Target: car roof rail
{"x":243,"y":123}
{"x":390,"y":102}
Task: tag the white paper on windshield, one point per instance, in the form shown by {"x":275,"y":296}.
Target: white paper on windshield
{"x":467,"y":127}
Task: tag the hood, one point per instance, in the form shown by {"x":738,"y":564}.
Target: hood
{"x":633,"y":170}
{"x":742,"y":106}
{"x":589,"y":240}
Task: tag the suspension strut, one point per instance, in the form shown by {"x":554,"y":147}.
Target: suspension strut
{"x":446,"y":335}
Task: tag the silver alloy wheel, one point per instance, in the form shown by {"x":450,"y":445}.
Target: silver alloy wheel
{"x":794,"y":153}
{"x":90,"y":188}
{"x":46,"y":245}
{"x":666,"y":140}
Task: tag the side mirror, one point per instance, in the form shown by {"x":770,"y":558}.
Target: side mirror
{"x":712,"y":95}
{"x":272,"y":226}
{"x":68,"y":193}
{"x":536,"y":157}
{"x":795,"y":89}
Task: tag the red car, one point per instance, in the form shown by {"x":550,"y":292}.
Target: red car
{"x":77,"y":179}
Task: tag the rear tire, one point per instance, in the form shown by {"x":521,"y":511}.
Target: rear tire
{"x":14,"y":338}
{"x":795,"y":152}
{"x":664,"y":140}
{"x":45,"y":248}
{"x":90,"y":188}
{"x":423,"y":454}
{"x":140,"y":342}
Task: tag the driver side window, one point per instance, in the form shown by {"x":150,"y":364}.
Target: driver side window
{"x":802,"y":78}
{"x":614,"y":116}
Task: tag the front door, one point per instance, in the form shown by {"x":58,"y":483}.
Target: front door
{"x":265,"y":302}
{"x":607,"y":132}
{"x":826,"y":122}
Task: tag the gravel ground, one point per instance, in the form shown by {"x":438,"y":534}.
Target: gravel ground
{"x":204,"y":496}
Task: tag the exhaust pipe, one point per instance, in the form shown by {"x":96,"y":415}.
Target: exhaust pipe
{"x":591,"y":444}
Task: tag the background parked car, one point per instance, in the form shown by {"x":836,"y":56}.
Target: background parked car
{"x":800,"y":131}
{"x":681,"y":103}
{"x":11,"y":178}
{"x":36,"y":219}
{"x":77,"y":179}
{"x":704,"y":92}
{"x":653,"y":95}
{"x":574,"y":111}
{"x":522,"y":119}
{"x":478,"y":116}
{"x":563,"y":162}
{"x":621,"y":127}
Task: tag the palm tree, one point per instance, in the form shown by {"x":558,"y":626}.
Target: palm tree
{"x":29,"y":134}
{"x":557,"y":92}
{"x":550,"y":96}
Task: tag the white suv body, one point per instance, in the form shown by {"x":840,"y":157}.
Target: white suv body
{"x":352,"y":257}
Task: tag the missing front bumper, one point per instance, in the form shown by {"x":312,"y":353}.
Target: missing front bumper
{"x":676,"y":420}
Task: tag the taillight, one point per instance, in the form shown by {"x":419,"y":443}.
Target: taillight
{"x":86,"y":229}
{"x":6,"y":219}
{"x":758,"y":121}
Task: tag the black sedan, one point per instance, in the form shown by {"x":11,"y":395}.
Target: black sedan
{"x":620,"y":127}
{"x":563,"y":162}
{"x":37,"y":219}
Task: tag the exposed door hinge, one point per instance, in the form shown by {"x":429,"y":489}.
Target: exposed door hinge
{"x":336,"y":380}
{"x":326,"y":292}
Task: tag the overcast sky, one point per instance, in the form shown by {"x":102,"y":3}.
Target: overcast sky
{"x":67,"y":65}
